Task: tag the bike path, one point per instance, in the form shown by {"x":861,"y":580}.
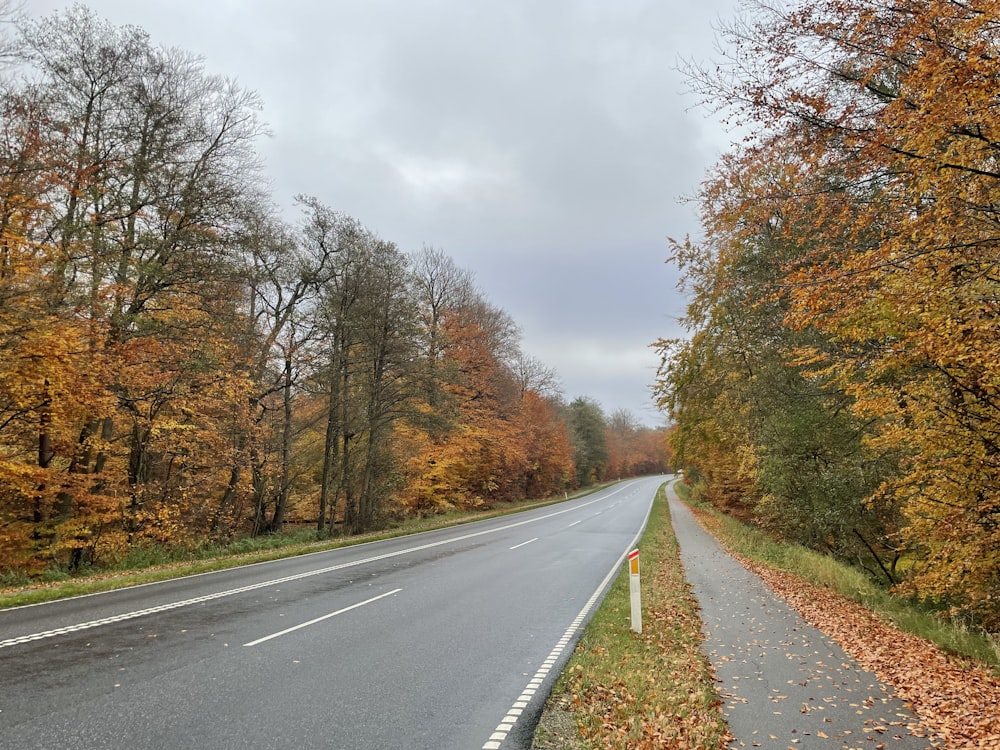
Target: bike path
{"x":784,"y":684}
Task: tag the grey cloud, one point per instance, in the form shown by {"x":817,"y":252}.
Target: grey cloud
{"x":544,"y":145}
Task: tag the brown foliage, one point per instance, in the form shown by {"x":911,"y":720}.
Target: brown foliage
{"x":956,"y":699}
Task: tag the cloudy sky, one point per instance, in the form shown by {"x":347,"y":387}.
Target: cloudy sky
{"x":546,"y":145}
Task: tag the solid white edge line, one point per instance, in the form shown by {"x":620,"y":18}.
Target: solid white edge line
{"x":292,"y":629}
{"x":27,"y":638}
{"x":500,"y":734}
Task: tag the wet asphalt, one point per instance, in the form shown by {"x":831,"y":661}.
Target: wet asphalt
{"x":784,"y":684}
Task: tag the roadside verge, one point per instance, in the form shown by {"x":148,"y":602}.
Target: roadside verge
{"x":629,"y":691}
{"x":619,"y":691}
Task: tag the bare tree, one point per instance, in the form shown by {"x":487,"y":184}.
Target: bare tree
{"x":534,"y":375}
{"x":439,"y":285}
{"x":387,"y":322}
{"x":11,"y":14}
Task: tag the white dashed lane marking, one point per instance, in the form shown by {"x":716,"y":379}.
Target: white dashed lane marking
{"x":292,"y":629}
{"x":524,"y":543}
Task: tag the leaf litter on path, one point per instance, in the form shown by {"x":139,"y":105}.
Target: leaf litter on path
{"x":956,"y":699}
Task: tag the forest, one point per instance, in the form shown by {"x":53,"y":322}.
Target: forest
{"x":840,"y":383}
{"x":181,"y":363}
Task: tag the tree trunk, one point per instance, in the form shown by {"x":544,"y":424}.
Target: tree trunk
{"x":346,"y":489}
{"x":281,"y":500}
{"x":878,"y":560}
{"x":259,"y":492}
{"x":45,"y":452}
{"x":107,"y":432}
{"x":374,"y":417}
{"x":350,"y":507}
{"x":329,"y":456}
{"x":139,"y":469}
{"x":228,"y":498}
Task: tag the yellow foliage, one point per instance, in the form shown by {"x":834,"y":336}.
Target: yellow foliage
{"x":875,"y":167}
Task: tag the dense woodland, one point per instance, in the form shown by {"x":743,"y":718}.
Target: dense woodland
{"x":841,"y":382}
{"x":180,"y":363}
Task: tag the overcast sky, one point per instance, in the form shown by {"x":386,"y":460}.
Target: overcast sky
{"x":546,"y":145}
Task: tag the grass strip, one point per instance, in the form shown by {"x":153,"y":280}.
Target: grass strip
{"x":163,"y":565}
{"x":638,"y":692}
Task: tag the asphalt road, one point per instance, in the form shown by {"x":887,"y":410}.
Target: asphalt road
{"x":448,"y":639}
{"x":784,"y":683}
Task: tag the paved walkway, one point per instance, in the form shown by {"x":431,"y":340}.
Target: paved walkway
{"x":784,"y":684}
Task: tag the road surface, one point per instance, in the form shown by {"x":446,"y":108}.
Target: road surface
{"x":447,"y":639}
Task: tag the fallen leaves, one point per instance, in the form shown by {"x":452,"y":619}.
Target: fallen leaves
{"x":955,"y":700}
{"x":648,"y":691}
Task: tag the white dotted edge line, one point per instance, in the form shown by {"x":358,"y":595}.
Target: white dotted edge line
{"x":517,"y":709}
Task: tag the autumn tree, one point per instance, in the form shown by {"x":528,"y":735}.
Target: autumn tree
{"x":439,"y":286}
{"x":480,"y":451}
{"x":549,"y":467}
{"x":45,"y":379}
{"x":178,"y":363}
{"x":889,"y":112}
{"x":771,"y":437}
{"x":652,"y":453}
{"x":544,"y":435}
{"x":363,"y":368}
{"x":384,"y":365}
{"x":634,"y":449}
{"x":138,"y":233}
{"x":472,"y":441}
{"x":285,"y":269}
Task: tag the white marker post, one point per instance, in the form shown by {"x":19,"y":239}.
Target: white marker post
{"x":635,"y":594}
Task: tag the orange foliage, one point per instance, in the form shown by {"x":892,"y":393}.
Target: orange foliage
{"x":139,"y":379}
{"x":546,"y":443}
{"x":498,"y":447}
{"x":480,"y":457}
{"x":638,"y":452}
{"x":878,"y":132}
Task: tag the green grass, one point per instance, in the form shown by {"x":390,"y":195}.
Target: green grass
{"x":148,"y":564}
{"x":851,"y":583}
{"x":625,"y":690}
